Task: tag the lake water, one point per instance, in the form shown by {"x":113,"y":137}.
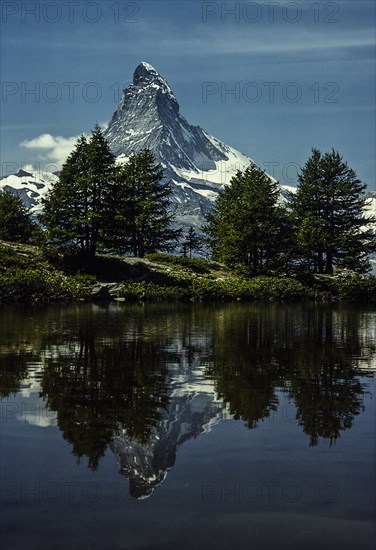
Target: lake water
{"x":194,"y":427}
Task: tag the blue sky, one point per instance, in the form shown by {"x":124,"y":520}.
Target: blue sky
{"x":272,"y":79}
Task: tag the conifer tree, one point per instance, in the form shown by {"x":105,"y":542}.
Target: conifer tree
{"x":191,"y":243}
{"x":246,"y":225}
{"x":328,"y":208}
{"x":74,"y":208}
{"x":15,"y":221}
{"x":138,"y":207}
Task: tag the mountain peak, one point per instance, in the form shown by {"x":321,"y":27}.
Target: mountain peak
{"x":148,"y":115}
{"x":146,"y":78}
{"x":145,"y":72}
{"x":147,"y":66}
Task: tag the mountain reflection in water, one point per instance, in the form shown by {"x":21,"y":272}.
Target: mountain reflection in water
{"x":142,"y":380}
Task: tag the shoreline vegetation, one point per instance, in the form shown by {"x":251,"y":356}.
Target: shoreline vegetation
{"x":38,"y":274}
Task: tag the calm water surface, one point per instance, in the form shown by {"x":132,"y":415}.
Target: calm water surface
{"x":194,"y":427}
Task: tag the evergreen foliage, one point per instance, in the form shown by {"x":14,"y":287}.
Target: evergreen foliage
{"x":247,"y":227}
{"x":16,"y":224}
{"x":138,"y":219}
{"x":329,"y":215}
{"x":74,"y":208}
{"x":191,"y":243}
{"x":125,"y":209}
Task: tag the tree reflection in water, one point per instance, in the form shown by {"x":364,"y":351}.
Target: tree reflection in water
{"x":311,"y":353}
{"x":145,"y":379}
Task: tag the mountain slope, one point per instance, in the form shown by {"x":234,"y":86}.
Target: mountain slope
{"x":197,"y":164}
{"x":149,"y":116}
{"x":31,"y":187}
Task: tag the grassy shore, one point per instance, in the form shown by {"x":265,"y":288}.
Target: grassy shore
{"x":31,"y":274}
{"x":28,"y":275}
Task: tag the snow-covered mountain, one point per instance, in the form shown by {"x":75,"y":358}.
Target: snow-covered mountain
{"x":198,"y":164}
{"x":31,"y":187}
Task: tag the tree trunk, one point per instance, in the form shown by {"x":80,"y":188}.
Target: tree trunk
{"x":329,"y":263}
{"x":320,"y":262}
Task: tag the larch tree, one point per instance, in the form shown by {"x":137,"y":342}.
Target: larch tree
{"x":138,"y":206}
{"x":15,"y":220}
{"x":328,"y":209}
{"x":191,"y":243}
{"x":74,"y":209}
{"x":247,"y":226}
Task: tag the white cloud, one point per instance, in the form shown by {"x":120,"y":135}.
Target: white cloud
{"x":54,"y":149}
{"x":44,"y":141}
{"x":51,"y":148}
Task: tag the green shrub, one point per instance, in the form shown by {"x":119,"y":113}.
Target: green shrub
{"x":41,"y":285}
{"x":278,"y":288}
{"x":207,"y":289}
{"x":355,"y":287}
{"x":153,"y":292}
{"x":204,"y":289}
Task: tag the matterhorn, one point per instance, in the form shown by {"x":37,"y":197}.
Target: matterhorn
{"x":196,"y":163}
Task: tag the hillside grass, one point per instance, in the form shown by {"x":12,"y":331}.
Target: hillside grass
{"x":27,"y":275}
{"x":32,"y":274}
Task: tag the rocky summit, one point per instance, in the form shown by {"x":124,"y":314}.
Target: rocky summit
{"x":149,"y":116}
{"x":196,"y":163}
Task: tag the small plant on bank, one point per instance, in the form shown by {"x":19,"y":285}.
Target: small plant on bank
{"x":41,"y":285}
